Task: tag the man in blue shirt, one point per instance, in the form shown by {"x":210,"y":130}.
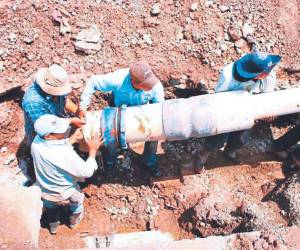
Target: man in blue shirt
{"x":132,"y":86}
{"x":48,"y":95}
{"x":252,"y":72}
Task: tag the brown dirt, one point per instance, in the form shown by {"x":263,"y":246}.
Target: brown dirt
{"x":189,"y":48}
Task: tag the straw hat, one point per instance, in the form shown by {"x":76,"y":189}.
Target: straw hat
{"x":53,"y":80}
{"x":252,"y":65}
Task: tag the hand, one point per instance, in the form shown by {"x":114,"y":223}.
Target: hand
{"x":81,"y":113}
{"x":94,"y":143}
{"x":76,"y":136}
{"x":77,"y":122}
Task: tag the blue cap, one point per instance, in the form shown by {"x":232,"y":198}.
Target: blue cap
{"x":252,"y":65}
{"x":48,"y":124}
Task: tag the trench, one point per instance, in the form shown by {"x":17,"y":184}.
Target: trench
{"x":185,"y":205}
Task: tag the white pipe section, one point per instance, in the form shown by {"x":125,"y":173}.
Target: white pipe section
{"x":144,"y":123}
{"x":206,"y":115}
{"x":276,"y":103}
{"x":197,"y":116}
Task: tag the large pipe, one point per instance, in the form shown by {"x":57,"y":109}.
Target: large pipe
{"x":198,"y":116}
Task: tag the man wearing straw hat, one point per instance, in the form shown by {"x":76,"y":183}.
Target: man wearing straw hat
{"x":48,"y":95}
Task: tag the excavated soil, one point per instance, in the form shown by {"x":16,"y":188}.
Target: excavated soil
{"x":187,"y":45}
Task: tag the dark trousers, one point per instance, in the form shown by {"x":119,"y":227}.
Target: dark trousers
{"x":287,"y":140}
{"x":149,"y":156}
{"x":234,"y":140}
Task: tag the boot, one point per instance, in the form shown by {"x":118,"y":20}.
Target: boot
{"x":202,"y":159}
{"x":53,"y":219}
{"x":75,"y":219}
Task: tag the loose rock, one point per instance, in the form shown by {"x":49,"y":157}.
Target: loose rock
{"x":3,"y":150}
{"x":9,"y":160}
{"x":155,"y":9}
{"x":89,"y":41}
{"x":147,"y":39}
{"x":223,"y":8}
{"x":194,"y":6}
{"x":12,"y":37}
{"x":247,"y":30}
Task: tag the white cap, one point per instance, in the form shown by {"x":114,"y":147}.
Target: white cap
{"x":48,"y":124}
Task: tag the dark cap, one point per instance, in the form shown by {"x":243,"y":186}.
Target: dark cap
{"x":142,"y":73}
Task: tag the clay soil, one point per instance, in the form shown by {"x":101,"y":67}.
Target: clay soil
{"x":187,"y":49}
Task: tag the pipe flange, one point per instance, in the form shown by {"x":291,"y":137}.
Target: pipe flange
{"x":122,"y":135}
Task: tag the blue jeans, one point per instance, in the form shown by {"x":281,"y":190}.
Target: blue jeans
{"x":149,"y":156}
{"x":75,"y":203}
{"x":234,"y":140}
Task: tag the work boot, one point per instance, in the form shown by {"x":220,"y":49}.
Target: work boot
{"x":53,"y":219}
{"x":199,"y":167}
{"x":231,"y":155}
{"x":202,"y":159}
{"x":53,"y":227}
{"x":75,"y":219}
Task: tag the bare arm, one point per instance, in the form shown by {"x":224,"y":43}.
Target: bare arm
{"x":71,"y":106}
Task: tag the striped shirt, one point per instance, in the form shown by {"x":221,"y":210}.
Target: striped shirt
{"x":36,"y":103}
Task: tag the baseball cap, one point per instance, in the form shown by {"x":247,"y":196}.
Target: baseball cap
{"x":53,"y":80}
{"x":253,"y":64}
{"x":48,"y":124}
{"x":143,"y":74}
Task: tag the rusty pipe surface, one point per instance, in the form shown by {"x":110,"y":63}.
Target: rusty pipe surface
{"x":197,"y":116}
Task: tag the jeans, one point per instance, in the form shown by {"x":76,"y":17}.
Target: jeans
{"x":234,"y":140}
{"x":149,"y":156}
{"x":287,"y":140}
{"x":75,"y":203}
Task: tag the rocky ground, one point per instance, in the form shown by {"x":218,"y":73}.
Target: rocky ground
{"x":186,"y":43}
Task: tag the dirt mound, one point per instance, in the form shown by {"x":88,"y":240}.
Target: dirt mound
{"x":289,"y":195}
{"x":215,"y":214}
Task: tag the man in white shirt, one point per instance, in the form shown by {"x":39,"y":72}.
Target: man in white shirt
{"x":58,"y":167}
{"x":252,"y":72}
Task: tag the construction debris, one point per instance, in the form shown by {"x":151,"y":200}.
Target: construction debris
{"x":89,"y":41}
{"x":62,"y":18}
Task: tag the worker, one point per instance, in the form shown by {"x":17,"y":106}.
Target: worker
{"x":254,"y":73}
{"x":136,"y":85}
{"x":282,"y":145}
{"x":58,"y":167}
{"x":48,"y":94}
